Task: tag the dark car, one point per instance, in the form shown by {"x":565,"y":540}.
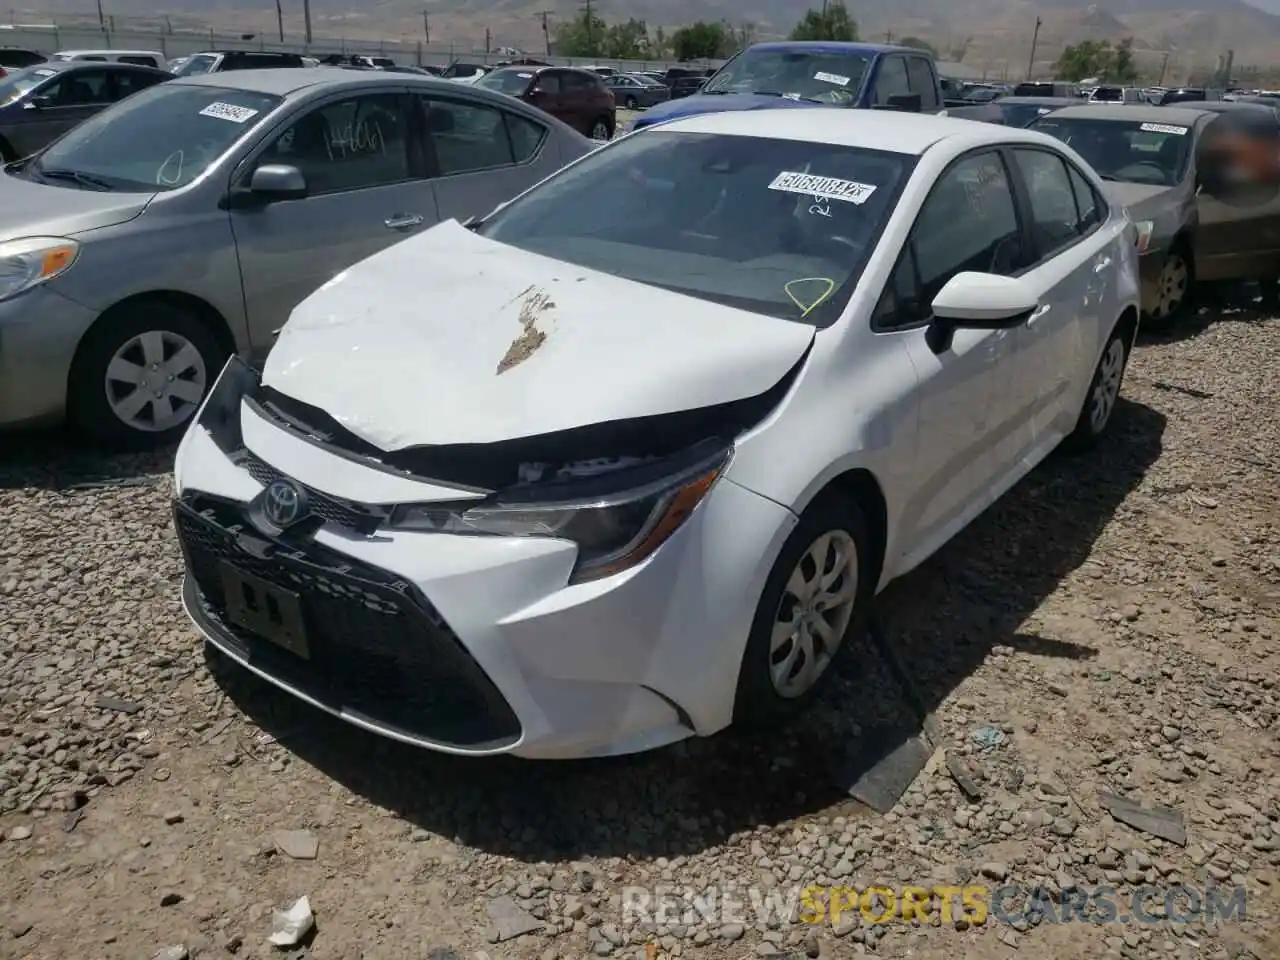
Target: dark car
{"x":1188,"y":95}
{"x":43,"y":102}
{"x":577,"y":97}
{"x":1047,"y":88}
{"x":975,"y":93}
{"x":462,"y":71}
{"x":635,"y":92}
{"x":15,"y":58}
{"x":1013,"y":111}
{"x":218,"y":61}
{"x":685,"y":86}
{"x":1192,"y":225}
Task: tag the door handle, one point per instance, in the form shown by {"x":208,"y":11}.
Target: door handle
{"x":403,"y":221}
{"x":1102,"y":265}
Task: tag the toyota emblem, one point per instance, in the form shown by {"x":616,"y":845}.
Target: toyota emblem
{"x":283,"y":504}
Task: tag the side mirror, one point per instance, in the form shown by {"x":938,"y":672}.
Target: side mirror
{"x":979,"y":301}
{"x":278,"y":181}
{"x":38,"y":103}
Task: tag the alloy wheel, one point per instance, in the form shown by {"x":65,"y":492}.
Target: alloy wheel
{"x":813,"y":614}
{"x":1171,"y":287}
{"x":600,"y":131}
{"x":1106,"y":387}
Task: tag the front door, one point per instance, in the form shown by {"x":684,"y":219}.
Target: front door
{"x":482,"y":156}
{"x":365,"y":192}
{"x":72,"y":97}
{"x":970,"y":388}
{"x":1241,"y":240}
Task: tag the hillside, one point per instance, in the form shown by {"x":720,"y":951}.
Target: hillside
{"x":995,"y":34}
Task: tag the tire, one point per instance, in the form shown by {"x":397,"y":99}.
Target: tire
{"x":761,"y":698}
{"x":136,"y":336}
{"x":1175,"y":282}
{"x":601,"y":129}
{"x":6,"y":152}
{"x":631,"y":103}
{"x":1104,"y":392}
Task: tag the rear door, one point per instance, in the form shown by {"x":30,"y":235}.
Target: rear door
{"x":1240,"y":240}
{"x":581,"y":100}
{"x":548,"y":94}
{"x":366,"y":191}
{"x":126,"y":82}
{"x":481,"y":155}
{"x":74,"y":96}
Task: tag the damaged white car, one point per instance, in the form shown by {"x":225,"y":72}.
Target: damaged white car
{"x":626,"y":461}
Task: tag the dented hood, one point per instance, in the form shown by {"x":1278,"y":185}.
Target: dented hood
{"x":450,"y":338}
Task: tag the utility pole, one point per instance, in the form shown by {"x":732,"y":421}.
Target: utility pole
{"x":102,"y":17}
{"x":306,"y":16}
{"x":1164,"y":65}
{"x":488,"y":37}
{"x":888,"y":36}
{"x":1035,"y":39}
{"x":426,"y":26}
{"x":591,"y":26}
{"x":546,"y":29}
{"x":280,"y":20}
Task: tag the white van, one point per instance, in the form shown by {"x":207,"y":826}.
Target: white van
{"x":145,"y":58}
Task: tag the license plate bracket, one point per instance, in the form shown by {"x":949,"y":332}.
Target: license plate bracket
{"x":262,"y":608}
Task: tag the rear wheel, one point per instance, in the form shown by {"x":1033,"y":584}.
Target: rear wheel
{"x":631,"y":103}
{"x":140,"y":375}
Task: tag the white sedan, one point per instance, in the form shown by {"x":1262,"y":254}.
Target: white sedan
{"x":590,"y":478}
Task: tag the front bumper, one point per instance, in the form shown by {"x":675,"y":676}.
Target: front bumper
{"x":478,"y":645}
{"x":39,"y":333}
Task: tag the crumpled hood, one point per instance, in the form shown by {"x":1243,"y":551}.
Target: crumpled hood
{"x":450,"y":338}
{"x":1144,"y":201}
{"x":30,"y":209}
{"x":714,"y":103}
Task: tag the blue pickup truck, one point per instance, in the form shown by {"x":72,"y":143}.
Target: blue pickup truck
{"x":793,"y":73}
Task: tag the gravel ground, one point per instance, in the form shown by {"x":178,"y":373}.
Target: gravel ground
{"x":1114,"y":622}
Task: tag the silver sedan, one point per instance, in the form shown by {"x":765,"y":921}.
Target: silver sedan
{"x":185,"y":223}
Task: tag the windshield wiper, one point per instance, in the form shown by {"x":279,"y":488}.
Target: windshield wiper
{"x":789,"y":96}
{"x":1109,"y":178}
{"x":74,"y":176}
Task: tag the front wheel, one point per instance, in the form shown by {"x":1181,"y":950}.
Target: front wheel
{"x":1104,"y":392}
{"x":1173,"y":287}
{"x":631,"y":103}
{"x":816,"y":595}
{"x":139,"y":376}
{"x":602,"y":130}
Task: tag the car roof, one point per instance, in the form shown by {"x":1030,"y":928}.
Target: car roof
{"x":1041,"y":101}
{"x":104,"y":50}
{"x":1134,"y":111}
{"x":71,"y":66}
{"x":283,"y":83}
{"x":909,"y":133}
{"x":833,"y":46}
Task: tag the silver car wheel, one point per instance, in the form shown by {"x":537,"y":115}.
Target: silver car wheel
{"x":813,"y":614}
{"x":1106,"y":388}
{"x":155,"y":381}
{"x":600,"y":131}
{"x":1171,"y":286}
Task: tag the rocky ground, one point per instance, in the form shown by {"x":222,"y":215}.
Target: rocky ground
{"x":1113,"y":623}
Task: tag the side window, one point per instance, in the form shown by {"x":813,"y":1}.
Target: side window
{"x":920,"y":77}
{"x":900,"y":304}
{"x":526,"y":136}
{"x":129,"y":82}
{"x":549,"y":81}
{"x":968,"y":222}
{"x":1054,"y":218}
{"x":1091,"y":206}
{"x":891,"y":79}
{"x":465,"y":137}
{"x":348,"y":145}
{"x":80,"y":88}
{"x":140,"y":61}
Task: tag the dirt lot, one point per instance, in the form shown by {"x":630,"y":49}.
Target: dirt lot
{"x":1114,"y":622}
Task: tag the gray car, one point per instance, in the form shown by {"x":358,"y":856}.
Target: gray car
{"x":636,"y":92}
{"x":143,"y":248}
{"x":41,"y":103}
{"x":1187,"y":232}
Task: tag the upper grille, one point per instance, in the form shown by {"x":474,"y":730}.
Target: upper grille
{"x":362,"y":518}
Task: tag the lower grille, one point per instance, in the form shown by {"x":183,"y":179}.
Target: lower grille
{"x":378,"y":648}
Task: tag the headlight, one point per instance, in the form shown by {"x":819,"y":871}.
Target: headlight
{"x":26,"y":263}
{"x":613,"y":531}
{"x":1145,"y":229}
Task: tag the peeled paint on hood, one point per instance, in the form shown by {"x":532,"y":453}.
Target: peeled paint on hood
{"x":451,"y":338}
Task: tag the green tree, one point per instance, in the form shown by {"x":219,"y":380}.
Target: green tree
{"x":700,"y":41}
{"x":1122,"y":68}
{"x":918,"y":44}
{"x":831,"y":23}
{"x":626,"y":41}
{"x":1088,"y":58}
{"x":583,"y":36}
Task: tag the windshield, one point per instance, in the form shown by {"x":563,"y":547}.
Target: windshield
{"x":1126,"y":150}
{"x":159,"y":139}
{"x":777,"y":227}
{"x":1021,"y":114}
{"x":1108,"y":95}
{"x":801,"y":74}
{"x":513,"y":82}
{"x":202,"y":63}
{"x":19,"y":83}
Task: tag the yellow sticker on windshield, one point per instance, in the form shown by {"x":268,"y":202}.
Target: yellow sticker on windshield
{"x":809,"y":303}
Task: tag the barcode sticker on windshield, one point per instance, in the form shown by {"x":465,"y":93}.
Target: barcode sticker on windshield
{"x":229,"y":111}
{"x":1163,"y":128}
{"x":828,"y":188}
{"x":832,"y":78}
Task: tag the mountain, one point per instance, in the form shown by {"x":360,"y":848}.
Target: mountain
{"x":995,"y":35}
